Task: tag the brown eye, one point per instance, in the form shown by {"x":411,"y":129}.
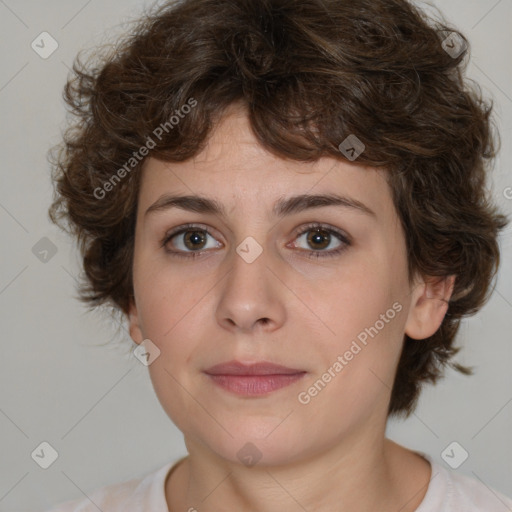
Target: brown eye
{"x":187,"y":241}
{"x":194,"y":239}
{"x":320,"y":237}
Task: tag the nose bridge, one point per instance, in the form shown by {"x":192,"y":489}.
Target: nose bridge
{"x":251,"y":249}
{"x":251,"y":292}
{"x":248,"y":265}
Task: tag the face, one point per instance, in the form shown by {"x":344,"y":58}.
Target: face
{"x":317,"y":287}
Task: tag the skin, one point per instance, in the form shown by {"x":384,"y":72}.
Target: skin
{"x":329,"y":454}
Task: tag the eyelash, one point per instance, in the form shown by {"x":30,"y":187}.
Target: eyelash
{"x":310,"y":227}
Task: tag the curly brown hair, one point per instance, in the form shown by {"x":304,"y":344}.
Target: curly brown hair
{"x":310,"y":73}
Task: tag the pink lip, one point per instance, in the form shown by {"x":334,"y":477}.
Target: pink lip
{"x":262,"y":368}
{"x":253,"y":379}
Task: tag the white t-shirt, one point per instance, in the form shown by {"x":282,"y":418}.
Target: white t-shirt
{"x":447,"y":492}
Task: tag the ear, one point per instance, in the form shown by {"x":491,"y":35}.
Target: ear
{"x":428,"y":306}
{"x":134,"y":325}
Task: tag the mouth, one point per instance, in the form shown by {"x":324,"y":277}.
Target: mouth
{"x":253,"y":379}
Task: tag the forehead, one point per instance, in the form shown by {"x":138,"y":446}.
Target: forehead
{"x":236,"y":170}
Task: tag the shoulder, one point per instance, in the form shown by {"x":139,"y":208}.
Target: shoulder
{"x":105,"y":498}
{"x":472,"y":494}
{"x":449,"y":491}
{"x":142,"y":493}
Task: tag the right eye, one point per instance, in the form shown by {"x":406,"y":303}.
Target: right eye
{"x":191,"y":240}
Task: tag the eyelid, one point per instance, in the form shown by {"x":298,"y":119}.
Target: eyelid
{"x":345,"y":237}
{"x":184,"y":228}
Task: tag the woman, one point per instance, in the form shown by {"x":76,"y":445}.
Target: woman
{"x":287,"y":200}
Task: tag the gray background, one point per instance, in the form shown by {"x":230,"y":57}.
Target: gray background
{"x":63,"y":382}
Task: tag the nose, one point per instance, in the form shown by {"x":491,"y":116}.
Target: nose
{"x":252,"y":297}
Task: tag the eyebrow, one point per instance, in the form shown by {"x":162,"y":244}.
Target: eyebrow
{"x":282,"y":207}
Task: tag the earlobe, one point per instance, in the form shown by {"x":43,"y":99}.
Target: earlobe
{"x":429,"y":305}
{"x":134,"y":326}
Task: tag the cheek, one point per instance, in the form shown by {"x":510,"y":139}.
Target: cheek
{"x":364,"y":314}
{"x":174,"y":305}
{"x":172,"y":318}
{"x":355,"y":297}
{"x":357,"y":365}
{"x":167,"y":297}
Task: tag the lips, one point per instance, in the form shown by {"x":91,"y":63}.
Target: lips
{"x":262,"y":368}
{"x":253,"y":379}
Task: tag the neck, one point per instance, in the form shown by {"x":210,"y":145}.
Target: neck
{"x":359,"y":475}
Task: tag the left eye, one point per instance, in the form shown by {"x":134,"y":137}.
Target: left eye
{"x":320,"y":238}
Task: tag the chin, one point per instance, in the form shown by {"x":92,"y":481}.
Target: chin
{"x":257,"y":444}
